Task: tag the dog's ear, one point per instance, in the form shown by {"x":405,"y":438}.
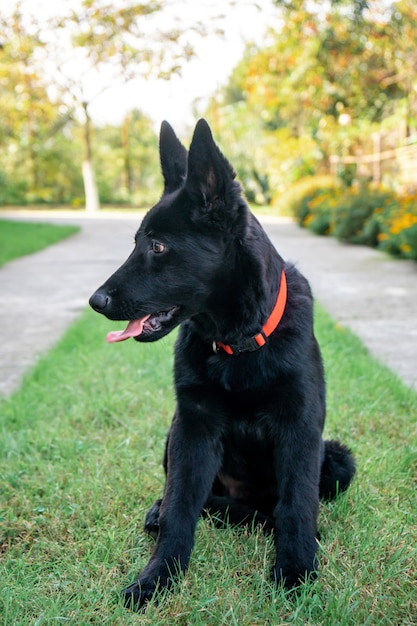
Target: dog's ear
{"x":210,"y":177}
{"x":173,"y":157}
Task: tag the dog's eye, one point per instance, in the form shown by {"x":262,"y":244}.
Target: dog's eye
{"x":157,"y":247}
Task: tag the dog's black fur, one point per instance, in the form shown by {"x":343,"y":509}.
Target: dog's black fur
{"x":246,"y":439}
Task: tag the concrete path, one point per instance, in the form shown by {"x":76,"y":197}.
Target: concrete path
{"x":43,"y":293}
{"x":373,"y":295}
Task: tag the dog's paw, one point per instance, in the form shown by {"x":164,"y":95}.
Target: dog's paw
{"x":147,"y":587}
{"x":152,"y":520}
{"x":291,"y":578}
{"x":137,"y":595}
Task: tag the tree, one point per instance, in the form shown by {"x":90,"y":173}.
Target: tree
{"x":30,"y":121}
{"x":91,"y":46}
{"x":129,"y":161}
{"x":116,"y":43}
{"x":325,"y":81}
{"x":401,"y":31}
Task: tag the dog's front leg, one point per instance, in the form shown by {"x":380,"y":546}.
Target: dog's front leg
{"x":298,"y":472}
{"x":194,"y":458}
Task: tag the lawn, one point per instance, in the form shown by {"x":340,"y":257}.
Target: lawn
{"x":21,"y":238}
{"x":81,"y":445}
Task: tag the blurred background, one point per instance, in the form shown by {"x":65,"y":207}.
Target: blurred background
{"x":300,"y":95}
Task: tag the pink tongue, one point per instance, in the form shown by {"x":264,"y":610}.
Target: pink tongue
{"x":133,"y":329}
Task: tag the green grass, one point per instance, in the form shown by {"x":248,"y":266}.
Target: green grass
{"x":21,"y":238}
{"x":81,"y":446}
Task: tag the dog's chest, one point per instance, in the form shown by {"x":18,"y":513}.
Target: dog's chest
{"x":248,"y":453}
{"x":248,"y":374}
{"x":248,"y":438}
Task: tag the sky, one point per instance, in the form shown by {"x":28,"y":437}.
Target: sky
{"x":201,"y":78}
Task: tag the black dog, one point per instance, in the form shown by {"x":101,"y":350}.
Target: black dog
{"x":246,"y":439}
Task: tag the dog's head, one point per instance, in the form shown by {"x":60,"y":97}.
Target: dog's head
{"x":183,"y":244}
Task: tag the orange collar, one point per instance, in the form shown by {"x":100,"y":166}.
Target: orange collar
{"x":257,"y":341}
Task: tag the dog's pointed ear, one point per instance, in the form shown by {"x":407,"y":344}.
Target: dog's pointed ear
{"x":210,"y":177}
{"x":173,"y":157}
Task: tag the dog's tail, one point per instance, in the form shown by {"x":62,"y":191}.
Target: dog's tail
{"x":337,"y":470}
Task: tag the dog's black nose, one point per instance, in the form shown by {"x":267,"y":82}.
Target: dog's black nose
{"x":99,"y":301}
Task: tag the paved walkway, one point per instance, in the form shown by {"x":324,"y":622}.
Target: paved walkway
{"x":373,"y":295}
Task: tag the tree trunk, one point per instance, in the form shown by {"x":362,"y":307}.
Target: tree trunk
{"x":92,"y":202}
{"x":128,"y":178}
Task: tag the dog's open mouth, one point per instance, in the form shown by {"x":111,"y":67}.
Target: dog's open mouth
{"x":148,"y":324}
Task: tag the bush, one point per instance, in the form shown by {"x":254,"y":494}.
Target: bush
{"x":12,"y":192}
{"x":354,"y":217}
{"x":320,"y":211}
{"x":399,"y":228}
{"x":362,"y":215}
{"x":301,"y":193}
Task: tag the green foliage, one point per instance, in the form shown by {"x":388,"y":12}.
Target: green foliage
{"x":37,"y":160}
{"x":280,"y":115}
{"x":302,"y":193}
{"x":12,"y":191}
{"x":21,"y":238}
{"x":239,"y":134}
{"x":127,"y":162}
{"x":80,"y":463}
{"x":320,"y":212}
{"x":42,"y":98}
{"x":398,"y":227}
{"x":322,"y":84}
{"x":336,"y":59}
{"x":361,"y":215}
{"x":354,"y":214}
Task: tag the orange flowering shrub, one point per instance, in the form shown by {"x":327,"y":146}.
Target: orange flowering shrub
{"x":304,"y":191}
{"x":356,"y":217}
{"x":321,"y":210}
{"x":364,"y":215}
{"x":399,"y":228}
